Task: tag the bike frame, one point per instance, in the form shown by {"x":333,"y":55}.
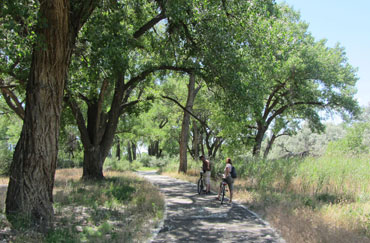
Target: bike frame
{"x":200,"y":184}
{"x":223,"y":189}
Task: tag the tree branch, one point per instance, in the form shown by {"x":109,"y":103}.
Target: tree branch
{"x":163,"y":123}
{"x":184,"y":108}
{"x":84,"y":98}
{"x":129,"y":104}
{"x":79,"y":119}
{"x":149,"y":24}
{"x":267,"y":106}
{"x":283,"y":108}
{"x":11,"y":99}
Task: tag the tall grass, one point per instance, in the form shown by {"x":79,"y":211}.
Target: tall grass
{"x":345,"y":175}
{"x":316,"y":199}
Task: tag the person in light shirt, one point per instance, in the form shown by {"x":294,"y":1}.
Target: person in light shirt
{"x":229,"y":180}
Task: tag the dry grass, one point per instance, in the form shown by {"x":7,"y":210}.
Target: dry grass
{"x":122,"y":208}
{"x":4,"y":180}
{"x":306,"y":225}
{"x":297,"y":222}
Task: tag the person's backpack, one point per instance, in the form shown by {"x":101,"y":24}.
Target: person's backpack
{"x":233,"y":172}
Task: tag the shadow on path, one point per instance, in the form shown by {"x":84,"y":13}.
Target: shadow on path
{"x":190,"y":217}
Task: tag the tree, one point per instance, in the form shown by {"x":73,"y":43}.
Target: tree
{"x":119,"y":52}
{"x":294,"y":77}
{"x":32,"y":171}
{"x":184,"y":137}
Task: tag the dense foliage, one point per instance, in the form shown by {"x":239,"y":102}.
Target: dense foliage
{"x":257,"y":76}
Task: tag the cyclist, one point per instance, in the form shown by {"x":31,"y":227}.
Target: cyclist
{"x":207,"y":173}
{"x":229,"y":180}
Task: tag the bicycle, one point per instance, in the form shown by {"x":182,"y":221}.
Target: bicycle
{"x":223,"y":189}
{"x":200,"y":184}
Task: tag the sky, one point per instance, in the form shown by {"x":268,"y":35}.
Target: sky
{"x":344,"y":22}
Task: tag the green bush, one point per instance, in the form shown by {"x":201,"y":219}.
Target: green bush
{"x":263,"y":173}
{"x":112,"y":163}
{"x":66,"y":160}
{"x":5,"y":159}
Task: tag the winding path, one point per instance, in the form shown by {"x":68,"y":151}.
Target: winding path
{"x":190,"y":217}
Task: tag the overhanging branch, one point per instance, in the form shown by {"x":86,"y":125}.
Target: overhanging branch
{"x":186,"y":110}
{"x":149,"y":25}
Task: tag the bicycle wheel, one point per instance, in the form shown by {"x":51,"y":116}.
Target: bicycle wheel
{"x":222,"y":193}
{"x":200,"y":186}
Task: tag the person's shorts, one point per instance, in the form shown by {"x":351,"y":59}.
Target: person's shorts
{"x":230,"y":182}
{"x":207,"y":177}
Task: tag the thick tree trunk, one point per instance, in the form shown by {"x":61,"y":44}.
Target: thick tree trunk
{"x":258,"y":141}
{"x":184,"y":136}
{"x":93,"y":163}
{"x":98,"y":136}
{"x":30,"y":192}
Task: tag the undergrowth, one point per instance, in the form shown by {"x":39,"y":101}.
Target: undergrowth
{"x":121,"y":208}
{"x":321,"y":199}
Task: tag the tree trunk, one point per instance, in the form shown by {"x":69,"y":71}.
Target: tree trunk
{"x":258,"y":141}
{"x":118,"y":150}
{"x":133,"y":148}
{"x":184,"y":136}
{"x":153,"y":149}
{"x":202,"y":143}
{"x":129,"y":151}
{"x":195,"y":145}
{"x":30,"y":191}
{"x":216,"y":145}
{"x":269,"y":145}
{"x":93,"y":163}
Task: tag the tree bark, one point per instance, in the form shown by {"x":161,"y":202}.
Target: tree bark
{"x":153,"y":149}
{"x":258,"y":140}
{"x":133,"y":146}
{"x":195,"y":144}
{"x":269,"y":145}
{"x":118,"y":150}
{"x":30,"y":191}
{"x":129,"y":151}
{"x":93,"y":163}
{"x":184,"y":136}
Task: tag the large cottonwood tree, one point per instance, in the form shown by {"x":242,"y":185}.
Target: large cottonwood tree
{"x":293,"y":77}
{"x":121,"y":47}
{"x":30,"y":191}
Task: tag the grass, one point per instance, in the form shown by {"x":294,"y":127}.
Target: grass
{"x":322,"y":199}
{"x":122,"y":208}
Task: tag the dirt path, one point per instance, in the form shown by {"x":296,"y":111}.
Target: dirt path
{"x":190,"y":217}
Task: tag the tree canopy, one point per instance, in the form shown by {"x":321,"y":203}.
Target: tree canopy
{"x":193,"y":77}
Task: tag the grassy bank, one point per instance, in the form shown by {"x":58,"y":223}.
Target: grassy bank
{"x":122,"y":208}
{"x":307,"y":200}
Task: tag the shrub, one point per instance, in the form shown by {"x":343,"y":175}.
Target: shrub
{"x":5,"y":161}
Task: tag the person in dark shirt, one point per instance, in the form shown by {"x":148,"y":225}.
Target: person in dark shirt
{"x":207,"y":173}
